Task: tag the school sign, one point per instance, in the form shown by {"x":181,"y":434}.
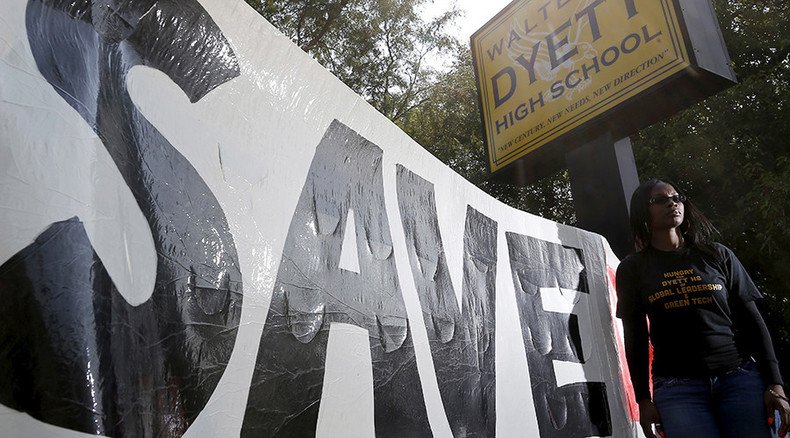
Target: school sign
{"x":546,"y":68}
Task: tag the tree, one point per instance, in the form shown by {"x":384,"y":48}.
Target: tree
{"x":376,"y":47}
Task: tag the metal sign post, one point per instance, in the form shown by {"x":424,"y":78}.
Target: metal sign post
{"x":603,"y":177}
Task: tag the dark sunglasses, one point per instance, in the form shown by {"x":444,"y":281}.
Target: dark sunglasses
{"x":664,"y":200}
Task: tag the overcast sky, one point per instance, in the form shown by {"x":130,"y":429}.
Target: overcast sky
{"x":475,"y":14}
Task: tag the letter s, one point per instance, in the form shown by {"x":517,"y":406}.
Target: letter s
{"x":75,"y":353}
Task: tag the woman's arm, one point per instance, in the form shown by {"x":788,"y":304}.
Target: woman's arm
{"x":758,"y":335}
{"x":636,"y":344}
{"x":636,"y":353}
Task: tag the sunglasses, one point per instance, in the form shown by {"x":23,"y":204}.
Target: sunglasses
{"x":664,"y":200}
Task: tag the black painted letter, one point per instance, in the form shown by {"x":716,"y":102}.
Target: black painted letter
{"x":572,"y":410}
{"x":312,"y":291}
{"x":462,"y":341}
{"x":74,"y":353}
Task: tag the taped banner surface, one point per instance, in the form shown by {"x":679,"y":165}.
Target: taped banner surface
{"x":204,"y":233}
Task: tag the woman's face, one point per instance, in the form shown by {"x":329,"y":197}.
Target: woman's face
{"x":665,"y":208}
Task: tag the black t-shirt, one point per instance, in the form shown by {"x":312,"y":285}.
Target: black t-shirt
{"x":690,"y":298}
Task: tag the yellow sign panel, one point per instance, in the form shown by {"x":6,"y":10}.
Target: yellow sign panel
{"x":545,"y":67}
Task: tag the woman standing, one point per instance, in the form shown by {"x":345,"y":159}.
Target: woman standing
{"x":714,"y":370}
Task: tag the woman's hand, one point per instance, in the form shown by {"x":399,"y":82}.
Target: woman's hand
{"x":775,"y":400}
{"x":648,"y":416}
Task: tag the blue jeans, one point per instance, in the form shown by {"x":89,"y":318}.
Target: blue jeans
{"x":729,"y":405}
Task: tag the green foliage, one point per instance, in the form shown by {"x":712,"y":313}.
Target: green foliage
{"x":376,"y":47}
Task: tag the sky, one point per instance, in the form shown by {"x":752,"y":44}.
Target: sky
{"x":476,"y":13}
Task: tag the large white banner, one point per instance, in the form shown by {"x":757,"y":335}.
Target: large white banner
{"x":204,"y":233}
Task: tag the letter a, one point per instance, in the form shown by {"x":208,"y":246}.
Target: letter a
{"x":312,"y":291}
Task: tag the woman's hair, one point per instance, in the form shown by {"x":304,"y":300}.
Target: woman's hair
{"x":696,"y":229}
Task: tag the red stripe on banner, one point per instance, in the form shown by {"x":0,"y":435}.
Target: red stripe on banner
{"x":625,"y":375}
